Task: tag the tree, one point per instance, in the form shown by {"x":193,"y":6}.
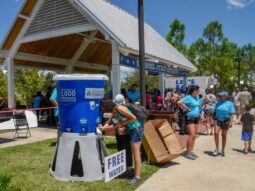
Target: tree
{"x":134,"y":78}
{"x":214,"y":35}
{"x":197,"y":55}
{"x":225,"y":67}
{"x":27,"y":83}
{"x":214,"y":55}
{"x":3,"y":84}
{"x":176,"y":36}
{"x":247,"y":52}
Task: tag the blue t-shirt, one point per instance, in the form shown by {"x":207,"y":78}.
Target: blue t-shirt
{"x":133,"y":96}
{"x":193,"y":104}
{"x":37,"y":102}
{"x":223,"y":110}
{"x":54,"y":97}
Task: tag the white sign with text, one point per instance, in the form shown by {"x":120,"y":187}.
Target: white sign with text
{"x":115,"y":165}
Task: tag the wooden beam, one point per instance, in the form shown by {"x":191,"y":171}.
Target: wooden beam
{"x":59,"y":61}
{"x":59,"y":32}
{"x":79,"y":52}
{"x":24,"y":17}
{"x":94,"y":38}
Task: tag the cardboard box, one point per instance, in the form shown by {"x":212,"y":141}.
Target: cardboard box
{"x":165,"y":129}
{"x":160,"y":142}
{"x":172,"y":144}
{"x":152,"y":143}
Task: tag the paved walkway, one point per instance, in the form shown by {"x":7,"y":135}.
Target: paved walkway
{"x":38,"y":134}
{"x":234,"y":172}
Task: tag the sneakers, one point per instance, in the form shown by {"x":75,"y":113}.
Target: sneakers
{"x":194,"y":155}
{"x":216,"y":153}
{"x":249,"y":149}
{"x":135,"y":180}
{"x":189,"y":156}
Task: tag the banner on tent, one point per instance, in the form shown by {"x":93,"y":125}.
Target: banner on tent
{"x":151,"y":66}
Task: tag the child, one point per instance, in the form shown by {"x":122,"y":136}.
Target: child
{"x":247,"y":121}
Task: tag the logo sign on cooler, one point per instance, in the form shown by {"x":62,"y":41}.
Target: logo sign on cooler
{"x":67,"y":95}
{"x":115,"y":165}
{"x":94,"y":93}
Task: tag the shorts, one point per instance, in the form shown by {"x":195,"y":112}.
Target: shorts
{"x":209,"y":112}
{"x":246,"y":136}
{"x":191,"y":120}
{"x":136,"y":135}
{"x":222,"y":123}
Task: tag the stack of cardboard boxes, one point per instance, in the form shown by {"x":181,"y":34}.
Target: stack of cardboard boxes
{"x":160,"y":142}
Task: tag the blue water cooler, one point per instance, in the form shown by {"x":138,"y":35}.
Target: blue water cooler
{"x":77,"y":156}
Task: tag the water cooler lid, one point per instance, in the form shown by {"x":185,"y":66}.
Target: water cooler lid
{"x":80,"y":77}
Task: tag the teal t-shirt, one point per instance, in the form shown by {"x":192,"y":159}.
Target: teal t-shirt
{"x":193,"y":104}
{"x":132,"y":125}
{"x":223,"y":110}
{"x":54,"y":97}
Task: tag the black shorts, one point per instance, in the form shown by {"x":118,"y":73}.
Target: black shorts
{"x":191,"y":120}
{"x":222,"y":123}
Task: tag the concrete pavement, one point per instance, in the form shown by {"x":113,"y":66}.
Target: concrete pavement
{"x":234,"y":172}
{"x":38,"y":134}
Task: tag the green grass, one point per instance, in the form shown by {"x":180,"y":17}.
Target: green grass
{"x":6,"y":131}
{"x":26,"y":168}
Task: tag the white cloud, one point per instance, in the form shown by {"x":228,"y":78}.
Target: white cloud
{"x":238,"y":3}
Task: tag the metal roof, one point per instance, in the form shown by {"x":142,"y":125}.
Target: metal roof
{"x":123,"y":27}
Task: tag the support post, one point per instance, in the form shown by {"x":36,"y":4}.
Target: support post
{"x":116,"y":83}
{"x":109,"y":82}
{"x":161,"y":80}
{"x":10,"y":77}
{"x":141,"y":52}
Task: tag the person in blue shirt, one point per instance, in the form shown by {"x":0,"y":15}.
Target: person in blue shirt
{"x":37,"y":104}
{"x":223,"y":114}
{"x":191,"y":105}
{"x":54,"y":102}
{"x":133,"y":95}
{"x":37,"y":101}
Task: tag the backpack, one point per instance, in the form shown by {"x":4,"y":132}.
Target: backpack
{"x":140,"y":112}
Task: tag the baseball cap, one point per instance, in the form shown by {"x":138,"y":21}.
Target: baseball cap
{"x":119,"y":99}
{"x":223,"y":93}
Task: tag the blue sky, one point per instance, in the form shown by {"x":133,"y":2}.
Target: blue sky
{"x":237,"y":16}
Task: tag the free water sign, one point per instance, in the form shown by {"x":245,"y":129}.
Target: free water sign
{"x":115,"y":165}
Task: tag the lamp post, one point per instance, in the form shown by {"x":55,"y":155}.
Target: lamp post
{"x":239,"y":59}
{"x":141,"y":51}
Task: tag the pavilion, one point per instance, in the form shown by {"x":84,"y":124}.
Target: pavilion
{"x":84,"y":36}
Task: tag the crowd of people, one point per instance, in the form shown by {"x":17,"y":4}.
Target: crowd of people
{"x":216,"y":110}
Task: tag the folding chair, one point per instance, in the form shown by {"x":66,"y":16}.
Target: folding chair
{"x":20,"y":120}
